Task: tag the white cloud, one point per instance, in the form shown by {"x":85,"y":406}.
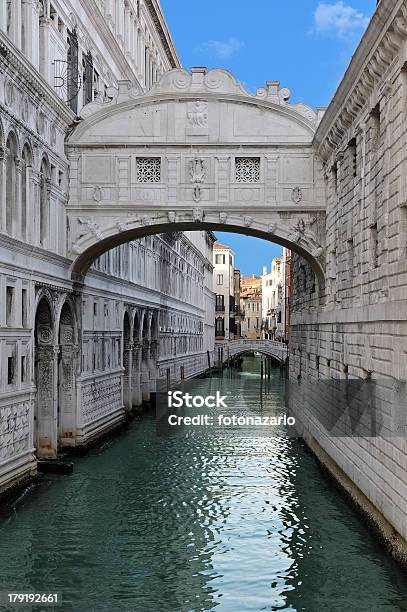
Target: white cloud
{"x":222,"y":49}
{"x":339,"y":18}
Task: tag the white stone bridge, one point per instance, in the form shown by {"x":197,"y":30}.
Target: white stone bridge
{"x":231,"y":348}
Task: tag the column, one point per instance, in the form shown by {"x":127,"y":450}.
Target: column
{"x":136,"y":375}
{"x":3,"y":188}
{"x":17,"y":210}
{"x":127,"y":377}
{"x":152,"y":366}
{"x":47,"y":401}
{"x":44,"y":67}
{"x":33,"y":213}
{"x":145,"y":373}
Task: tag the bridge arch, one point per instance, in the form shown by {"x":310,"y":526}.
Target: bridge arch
{"x":195,"y":152}
{"x":270,"y":348}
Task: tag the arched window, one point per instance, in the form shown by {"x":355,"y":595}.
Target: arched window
{"x":11,"y":184}
{"x":44,"y":202}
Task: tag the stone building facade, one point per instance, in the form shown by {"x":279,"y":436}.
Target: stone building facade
{"x":224,"y":289}
{"x":251,"y":306}
{"x":272,"y":298}
{"x":75,"y":356}
{"x":355,"y":334}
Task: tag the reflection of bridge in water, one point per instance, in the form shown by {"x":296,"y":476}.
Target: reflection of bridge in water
{"x":230,"y":348}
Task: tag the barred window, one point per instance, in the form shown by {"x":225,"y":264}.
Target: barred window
{"x":148,"y":169}
{"x":247,"y":169}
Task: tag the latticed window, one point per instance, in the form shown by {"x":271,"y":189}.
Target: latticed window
{"x":148,"y":169}
{"x":247,"y":169}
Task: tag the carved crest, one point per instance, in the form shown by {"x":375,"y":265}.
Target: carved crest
{"x":197,"y":170}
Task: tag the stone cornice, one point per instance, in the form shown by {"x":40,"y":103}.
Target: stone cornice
{"x":379,"y":47}
{"x":164,"y":34}
{"x":10,"y":56}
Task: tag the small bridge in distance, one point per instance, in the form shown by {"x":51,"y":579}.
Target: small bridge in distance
{"x":225,"y":349}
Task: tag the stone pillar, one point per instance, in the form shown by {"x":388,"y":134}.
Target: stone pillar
{"x":46,"y":400}
{"x":3,"y":188}
{"x":67,"y":383}
{"x":152,"y":367}
{"x":3,"y":15}
{"x":17,"y":201}
{"x":136,"y":375}
{"x":145,"y":373}
{"x":33,"y":212}
{"x":127,"y":377}
{"x":44,"y":67}
{"x":17,"y":23}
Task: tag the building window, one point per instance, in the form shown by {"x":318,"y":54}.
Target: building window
{"x":148,"y":169}
{"x":9,"y":305}
{"x":220,"y":303}
{"x":219,"y":279}
{"x":247,"y":169}
{"x":87,"y":68}
{"x":24,"y":309}
{"x":353,"y":158}
{"x":72,"y":77}
{"x":220,"y":327}
{"x":219,"y":259}
{"x":23,"y":369}
{"x":376,"y":127}
{"x":10,"y":370}
{"x":335,"y":177}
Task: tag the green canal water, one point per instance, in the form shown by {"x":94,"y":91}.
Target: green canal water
{"x":206,"y":519}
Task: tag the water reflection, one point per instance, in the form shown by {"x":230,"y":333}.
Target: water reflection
{"x":208,"y":519}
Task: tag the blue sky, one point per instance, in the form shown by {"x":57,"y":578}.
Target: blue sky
{"x":305,"y":44}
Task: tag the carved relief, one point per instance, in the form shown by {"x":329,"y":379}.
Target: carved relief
{"x":198,"y":214}
{"x":197,"y":195}
{"x":92,"y":226}
{"x":197,"y":170}
{"x":14,"y":429}
{"x":223,"y":217}
{"x":9,"y":93}
{"x":197,"y":114}
{"x":97,"y":194}
{"x":296,"y":195}
{"x":25,"y":110}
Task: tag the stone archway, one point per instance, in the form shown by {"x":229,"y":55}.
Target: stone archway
{"x":196,"y":152}
{"x":46,"y":377}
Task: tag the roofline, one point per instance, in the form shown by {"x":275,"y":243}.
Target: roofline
{"x":376,"y":29}
{"x":160,"y":22}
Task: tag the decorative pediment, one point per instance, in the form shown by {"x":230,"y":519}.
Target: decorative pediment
{"x":198,"y":89}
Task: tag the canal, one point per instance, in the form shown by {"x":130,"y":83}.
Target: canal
{"x":208,"y":518}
